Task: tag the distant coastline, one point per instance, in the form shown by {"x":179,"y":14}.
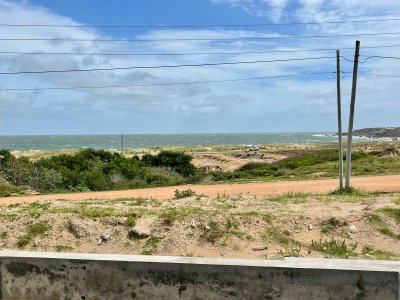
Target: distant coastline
{"x":139,"y":141}
{"x":379,"y":132}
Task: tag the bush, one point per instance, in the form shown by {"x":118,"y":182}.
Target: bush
{"x":97,"y":170}
{"x":178,"y":161}
{"x":184,"y":194}
{"x":42,"y":179}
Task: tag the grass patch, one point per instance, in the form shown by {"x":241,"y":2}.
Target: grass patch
{"x":97,"y":212}
{"x":330,"y":225}
{"x":389,"y":232}
{"x":266,"y":216}
{"x":350,"y":191}
{"x":151,"y":245}
{"x":274,"y":234}
{"x":392,"y":212}
{"x":36,"y":209}
{"x":9,"y":216}
{"x":131,"y":219}
{"x":334,"y":248}
{"x":376,"y":219}
{"x":63,"y":248}
{"x":216,"y":231}
{"x":3,"y":234}
{"x":169,"y":216}
{"x":33,"y":230}
{"x":292,"y":197}
{"x":84,"y":210}
{"x":379,"y":254}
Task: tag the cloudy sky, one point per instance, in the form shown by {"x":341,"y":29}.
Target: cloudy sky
{"x":303,"y":103}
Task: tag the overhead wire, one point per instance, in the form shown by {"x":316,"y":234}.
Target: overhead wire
{"x":198,"y":26}
{"x":55,"y":39}
{"x":371,"y":57}
{"x":167,"y":66}
{"x":192,"y":53}
{"x":373,"y":74}
{"x":166,"y":83}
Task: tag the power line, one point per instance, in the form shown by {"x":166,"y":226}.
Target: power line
{"x":167,"y":66}
{"x":197,"y":39}
{"x":165,"y":84}
{"x":371,"y":57}
{"x":377,"y":75}
{"x":200,"y":26}
{"x":190,"y":53}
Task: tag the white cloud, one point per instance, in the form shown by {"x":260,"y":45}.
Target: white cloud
{"x":272,"y":9}
{"x":200,"y":107}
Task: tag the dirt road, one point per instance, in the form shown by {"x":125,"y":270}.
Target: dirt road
{"x":370,"y":184}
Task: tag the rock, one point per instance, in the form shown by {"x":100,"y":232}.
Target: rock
{"x":139,"y":232}
{"x":353,"y":229}
{"x":259,"y":248}
{"x":78,"y":228}
{"x":287,"y":232}
{"x":193,"y":224}
{"x":310,"y":226}
{"x":105,"y":236}
{"x":207,"y":227}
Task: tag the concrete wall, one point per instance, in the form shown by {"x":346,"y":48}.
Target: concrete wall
{"x":45,"y":276}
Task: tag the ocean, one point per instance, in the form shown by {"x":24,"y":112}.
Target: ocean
{"x":113,"y":141}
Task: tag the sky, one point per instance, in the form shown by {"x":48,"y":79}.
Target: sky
{"x":281,"y":104}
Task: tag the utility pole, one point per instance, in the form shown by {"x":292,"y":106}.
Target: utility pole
{"x":122,"y":144}
{"x":351,"y":119}
{"x":339,"y":106}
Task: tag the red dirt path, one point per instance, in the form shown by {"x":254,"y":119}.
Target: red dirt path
{"x":369,"y":184}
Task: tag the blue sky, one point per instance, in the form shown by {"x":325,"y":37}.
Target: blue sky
{"x":305,"y":103}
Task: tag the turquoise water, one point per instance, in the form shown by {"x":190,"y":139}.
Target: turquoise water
{"x":54,"y":142}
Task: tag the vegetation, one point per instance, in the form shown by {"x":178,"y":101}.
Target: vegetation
{"x":334,"y":248}
{"x":389,"y":232}
{"x":151,"y":245}
{"x":184,"y":194}
{"x":63,"y":248}
{"x":274,"y":234}
{"x":304,"y":165}
{"x":392,"y":212}
{"x":330,"y":225}
{"x":379,"y":254}
{"x":33,"y":230}
{"x":215,"y":231}
{"x":95,"y":170}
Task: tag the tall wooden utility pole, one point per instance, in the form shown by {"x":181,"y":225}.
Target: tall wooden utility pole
{"x":339,"y":106}
{"x":351,"y":119}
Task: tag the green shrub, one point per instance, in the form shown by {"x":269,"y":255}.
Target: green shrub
{"x":184,"y":194}
{"x":178,"y":161}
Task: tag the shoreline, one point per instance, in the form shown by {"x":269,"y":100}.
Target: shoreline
{"x":156,"y":141}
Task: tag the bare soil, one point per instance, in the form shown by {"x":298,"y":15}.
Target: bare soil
{"x":369,"y":184}
{"x":232,"y":160}
{"x":241,"y":226}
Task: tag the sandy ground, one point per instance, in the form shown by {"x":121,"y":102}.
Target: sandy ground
{"x":369,"y":184}
{"x":232,"y":160}
{"x":241,"y":226}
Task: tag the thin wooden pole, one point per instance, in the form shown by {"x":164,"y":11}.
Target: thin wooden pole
{"x":351,"y":118}
{"x":122,"y":144}
{"x":339,"y":106}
